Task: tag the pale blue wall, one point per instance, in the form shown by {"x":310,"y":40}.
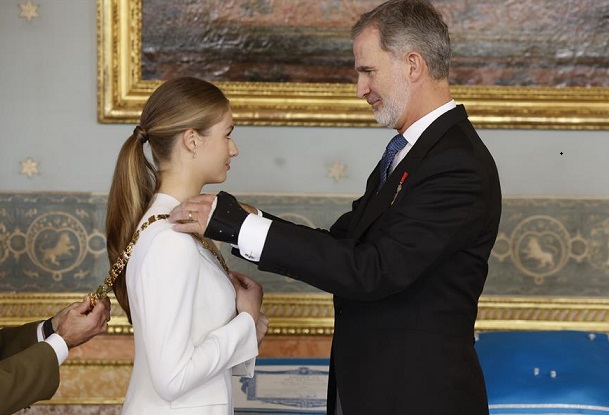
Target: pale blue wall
{"x":48,"y":112}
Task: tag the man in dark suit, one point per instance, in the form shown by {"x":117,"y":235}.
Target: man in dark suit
{"x":408,"y":263}
{"x":30,"y":355}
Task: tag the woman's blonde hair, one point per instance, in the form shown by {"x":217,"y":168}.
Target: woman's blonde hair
{"x":177,"y":105}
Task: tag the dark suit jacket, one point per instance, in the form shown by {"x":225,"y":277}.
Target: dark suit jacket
{"x":29,"y":370}
{"x":406,"y":278}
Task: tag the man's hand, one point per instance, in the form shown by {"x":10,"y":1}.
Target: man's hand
{"x":191,"y":216}
{"x":78,"y":323}
{"x":225,"y":223}
{"x":248,"y":208}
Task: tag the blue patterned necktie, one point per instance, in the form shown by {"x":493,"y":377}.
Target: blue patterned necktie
{"x":396,"y":144}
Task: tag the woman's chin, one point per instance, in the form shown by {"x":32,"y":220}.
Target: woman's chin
{"x":218,"y":180}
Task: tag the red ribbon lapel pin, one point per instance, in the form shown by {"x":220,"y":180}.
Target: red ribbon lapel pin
{"x":399,"y":189}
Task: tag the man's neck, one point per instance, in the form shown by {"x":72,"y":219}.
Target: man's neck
{"x":433,"y":94}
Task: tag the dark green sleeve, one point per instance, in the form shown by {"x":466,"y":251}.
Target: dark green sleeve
{"x":16,"y":339}
{"x":26,"y":376}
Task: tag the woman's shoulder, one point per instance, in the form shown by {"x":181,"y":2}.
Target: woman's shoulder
{"x":163,"y":233}
{"x":159,"y":230}
{"x":160,"y":235}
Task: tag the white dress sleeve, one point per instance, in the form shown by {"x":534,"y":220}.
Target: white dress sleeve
{"x":245,"y":369}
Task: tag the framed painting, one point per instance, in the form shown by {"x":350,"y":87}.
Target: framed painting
{"x":527,"y":64}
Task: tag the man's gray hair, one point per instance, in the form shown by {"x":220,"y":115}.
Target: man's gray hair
{"x":411,"y":25}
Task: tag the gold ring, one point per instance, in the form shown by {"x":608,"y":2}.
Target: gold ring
{"x":190,"y":215}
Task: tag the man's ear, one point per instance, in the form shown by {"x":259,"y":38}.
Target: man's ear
{"x":415,"y":65}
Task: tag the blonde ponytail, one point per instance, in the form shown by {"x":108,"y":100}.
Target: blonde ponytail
{"x":133,"y":185}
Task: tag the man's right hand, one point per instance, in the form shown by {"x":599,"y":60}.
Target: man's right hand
{"x":78,"y":323}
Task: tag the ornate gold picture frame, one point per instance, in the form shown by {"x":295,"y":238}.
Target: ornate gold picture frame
{"x":122,"y":92}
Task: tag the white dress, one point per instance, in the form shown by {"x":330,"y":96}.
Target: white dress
{"x":188,"y":338}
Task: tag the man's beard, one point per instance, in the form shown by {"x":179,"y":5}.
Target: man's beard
{"x":393,"y":105}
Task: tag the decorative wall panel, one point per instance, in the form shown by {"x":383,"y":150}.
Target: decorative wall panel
{"x":549,"y":267}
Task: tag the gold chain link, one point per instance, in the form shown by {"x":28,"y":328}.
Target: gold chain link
{"x":103,"y":290}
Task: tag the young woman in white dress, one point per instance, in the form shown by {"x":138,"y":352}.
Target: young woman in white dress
{"x":195,"y":323}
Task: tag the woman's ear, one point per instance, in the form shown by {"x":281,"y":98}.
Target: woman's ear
{"x":190,"y":140}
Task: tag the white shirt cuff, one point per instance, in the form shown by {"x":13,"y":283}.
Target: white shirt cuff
{"x":252,"y":236}
{"x":59,"y":345}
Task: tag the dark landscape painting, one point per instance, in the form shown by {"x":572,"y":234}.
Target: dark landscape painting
{"x":555,"y":43}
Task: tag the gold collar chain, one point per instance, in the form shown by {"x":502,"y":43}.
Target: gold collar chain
{"x":209,"y":245}
{"x":103,"y":290}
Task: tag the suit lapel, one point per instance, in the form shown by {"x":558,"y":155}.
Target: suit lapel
{"x":376,"y":204}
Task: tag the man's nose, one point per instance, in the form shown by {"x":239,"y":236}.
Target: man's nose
{"x":362,"y":88}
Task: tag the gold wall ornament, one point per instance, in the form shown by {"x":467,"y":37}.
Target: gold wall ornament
{"x":28,"y":11}
{"x":313,"y":314}
{"x":29,"y":167}
{"x":337,"y":171}
{"x":122,"y":92}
